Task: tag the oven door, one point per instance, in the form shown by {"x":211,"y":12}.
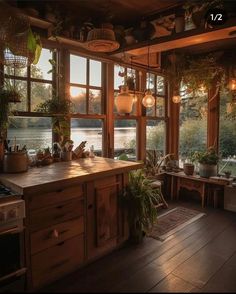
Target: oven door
{"x":11,"y":258}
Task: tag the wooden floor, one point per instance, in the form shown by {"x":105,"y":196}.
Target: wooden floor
{"x":199,"y":258}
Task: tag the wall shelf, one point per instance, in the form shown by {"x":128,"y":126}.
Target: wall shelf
{"x":180,"y":40}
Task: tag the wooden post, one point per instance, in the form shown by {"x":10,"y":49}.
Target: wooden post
{"x":213,"y":117}
{"x":173,"y":126}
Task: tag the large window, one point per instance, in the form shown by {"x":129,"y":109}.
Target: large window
{"x":89,"y":130}
{"x":156,"y":83}
{"x":86,"y":89}
{"x":125,"y":138}
{"x":34,"y":132}
{"x":155,"y":136}
{"x":193,"y":124}
{"x":35,"y":84}
{"x":227,"y":134}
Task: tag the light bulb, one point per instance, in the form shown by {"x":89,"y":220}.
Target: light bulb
{"x":232,"y":84}
{"x":176,"y":98}
{"x":148,"y":99}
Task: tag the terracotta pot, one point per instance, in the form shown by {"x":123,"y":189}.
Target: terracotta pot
{"x":188,"y":169}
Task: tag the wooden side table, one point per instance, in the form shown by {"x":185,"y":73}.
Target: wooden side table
{"x":192,"y":185}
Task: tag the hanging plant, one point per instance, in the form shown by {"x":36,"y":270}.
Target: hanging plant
{"x":34,"y":45}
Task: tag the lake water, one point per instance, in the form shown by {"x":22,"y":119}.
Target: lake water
{"x":35,"y":138}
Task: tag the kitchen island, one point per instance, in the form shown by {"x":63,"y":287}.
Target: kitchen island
{"x":72,"y":214}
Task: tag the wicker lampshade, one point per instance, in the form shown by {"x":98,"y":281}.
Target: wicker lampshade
{"x":102,"y":40}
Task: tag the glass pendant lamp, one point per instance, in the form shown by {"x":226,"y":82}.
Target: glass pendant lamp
{"x":148,"y":99}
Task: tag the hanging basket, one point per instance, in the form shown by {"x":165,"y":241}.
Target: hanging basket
{"x":102,"y":40}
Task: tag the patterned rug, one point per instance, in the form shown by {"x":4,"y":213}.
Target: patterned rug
{"x":172,"y":221}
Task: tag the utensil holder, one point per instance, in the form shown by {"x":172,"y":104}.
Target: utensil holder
{"x":15,"y":162}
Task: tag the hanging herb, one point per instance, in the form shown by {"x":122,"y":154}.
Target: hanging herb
{"x":34,"y":45}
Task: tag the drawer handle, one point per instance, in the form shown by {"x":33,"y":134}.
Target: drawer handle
{"x":90,"y":206}
{"x":60,"y":263}
{"x":54,"y":234}
{"x":59,"y":216}
{"x":59,"y":190}
{"x":60,"y":206}
{"x":61,"y":243}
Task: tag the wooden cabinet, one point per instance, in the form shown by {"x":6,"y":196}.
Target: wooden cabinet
{"x":70,"y":227}
{"x":55,"y":230}
{"x":103,"y":216}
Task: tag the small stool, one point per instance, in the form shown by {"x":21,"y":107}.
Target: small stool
{"x":158,"y":185}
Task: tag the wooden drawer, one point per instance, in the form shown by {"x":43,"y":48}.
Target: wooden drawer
{"x":49,"y":237}
{"x":60,"y":195}
{"x":55,"y":214}
{"x":57,"y":261}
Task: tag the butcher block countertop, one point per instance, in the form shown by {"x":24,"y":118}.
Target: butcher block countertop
{"x":64,"y":174}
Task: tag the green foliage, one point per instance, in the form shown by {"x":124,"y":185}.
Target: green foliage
{"x":4,"y":111}
{"x":123,"y":156}
{"x":206,"y":157}
{"x":55,"y":106}
{"x":34,"y":45}
{"x":139,"y":198}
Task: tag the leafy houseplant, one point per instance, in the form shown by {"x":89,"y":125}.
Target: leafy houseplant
{"x":59,"y":108}
{"x":208,"y":161}
{"x":139,"y":199}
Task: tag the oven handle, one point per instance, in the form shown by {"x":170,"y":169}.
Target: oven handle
{"x":12,"y":231}
{"x":17,"y":273}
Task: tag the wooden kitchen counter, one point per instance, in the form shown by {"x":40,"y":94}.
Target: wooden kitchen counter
{"x":39,"y":179}
{"x":73,"y":214}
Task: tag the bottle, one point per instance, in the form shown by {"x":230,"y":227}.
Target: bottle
{"x":91,"y":152}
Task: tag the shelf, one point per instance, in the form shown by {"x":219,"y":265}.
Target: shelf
{"x":68,"y":41}
{"x":39,"y":23}
{"x":180,"y":40}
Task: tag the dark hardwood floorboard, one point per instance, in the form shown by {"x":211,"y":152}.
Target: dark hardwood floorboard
{"x":173,"y":284}
{"x":163,"y":265}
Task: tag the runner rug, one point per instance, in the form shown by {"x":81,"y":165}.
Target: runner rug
{"x":172,"y":221}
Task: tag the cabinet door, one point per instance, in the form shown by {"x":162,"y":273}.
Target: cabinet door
{"x":106,"y":213}
{"x":102,"y":216}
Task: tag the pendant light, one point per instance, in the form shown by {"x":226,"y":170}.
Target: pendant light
{"x":124,"y":101}
{"x":148,"y":99}
{"x":176,"y":98}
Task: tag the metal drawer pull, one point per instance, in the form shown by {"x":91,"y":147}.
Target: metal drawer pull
{"x":90,"y":206}
{"x":60,"y":206}
{"x":60,"y":263}
{"x":59,"y":216}
{"x":54,"y":234}
{"x":61,"y":243}
{"x":59,"y":190}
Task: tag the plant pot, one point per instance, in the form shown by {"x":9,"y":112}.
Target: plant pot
{"x":15,"y":162}
{"x":66,"y":155}
{"x":198,"y":18}
{"x":207,"y":170}
{"x":179,"y":24}
{"x":188,"y":169}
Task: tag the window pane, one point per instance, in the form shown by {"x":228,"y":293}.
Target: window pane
{"x":95,"y":72}
{"x":150,"y":81}
{"x":18,"y":72}
{"x":227,"y":138}
{"x":21,"y":87}
{"x":78,"y":98}
{"x":90,"y":130}
{"x":40,"y":92}
{"x":118,"y":80}
{"x":160,"y":85}
{"x":160,"y":107}
{"x":34,"y":132}
{"x":78,"y":70}
{"x":95,"y":101}
{"x":40,"y":70}
{"x":193,"y":125}
{"x":150,"y":111}
{"x":155,"y":136}
{"x":125,"y":138}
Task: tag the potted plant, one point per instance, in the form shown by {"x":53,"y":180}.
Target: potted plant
{"x":60,"y":109}
{"x":208,"y":161}
{"x":139,"y":199}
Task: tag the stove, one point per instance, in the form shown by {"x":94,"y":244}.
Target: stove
{"x":12,"y":214}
